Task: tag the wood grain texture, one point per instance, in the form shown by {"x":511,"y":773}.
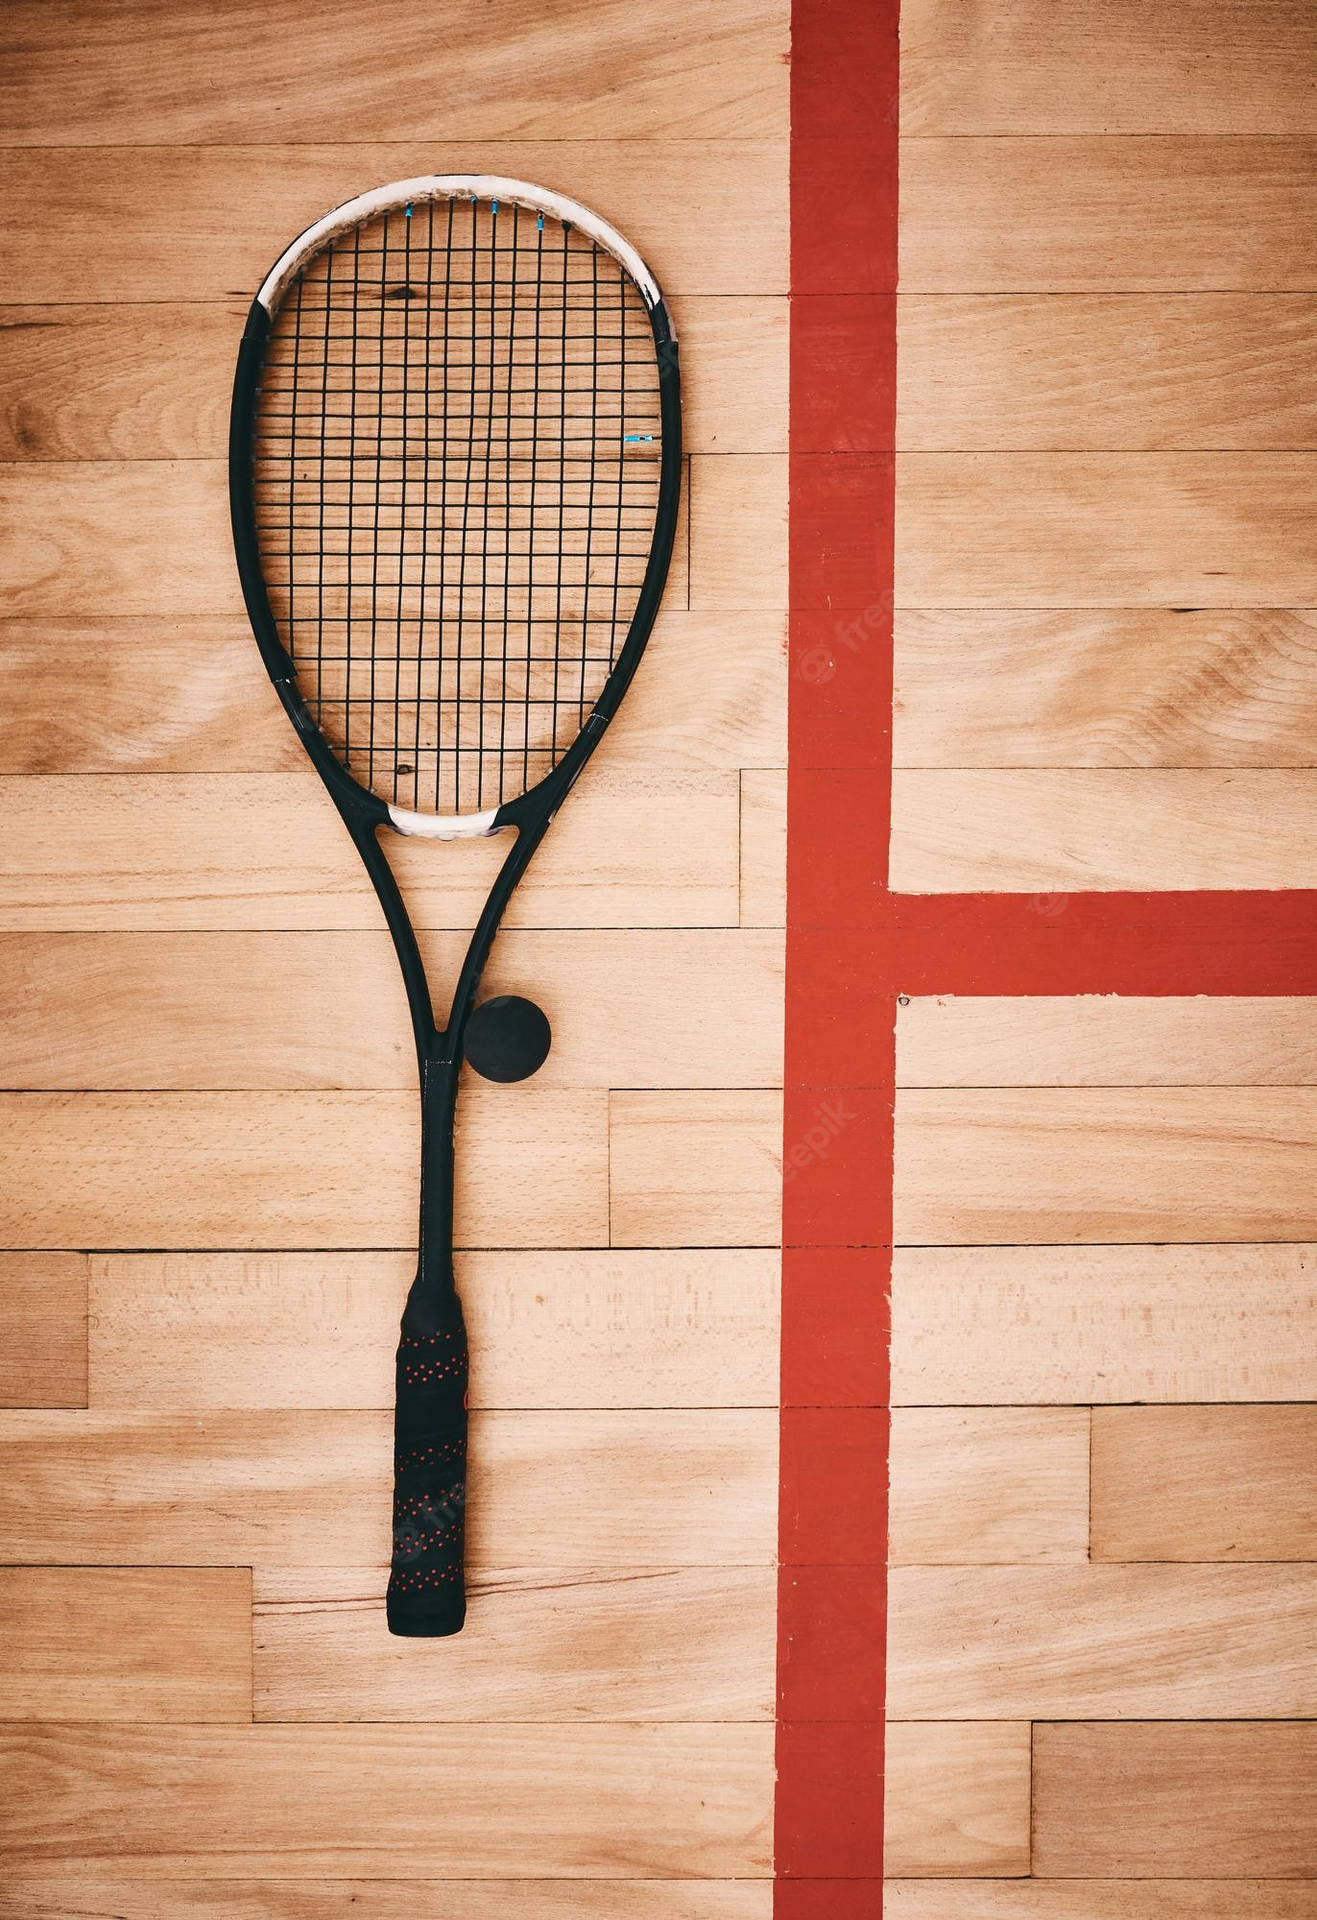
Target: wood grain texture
{"x":393,"y":1802}
{"x":146,"y":72}
{"x":189,"y":695}
{"x":738,"y":532}
{"x":312,"y":1010}
{"x":763,"y":847}
{"x":1143,"y":687}
{"x":695,"y":1169}
{"x":1102,"y":1643}
{"x":147,"y":537}
{"x":1086,"y":1900}
{"x":1205,"y":1483}
{"x":154,"y":382}
{"x":570,"y":1644}
{"x":307,"y":1489}
{"x":1023,"y":1325}
{"x":1028,"y":1165}
{"x":292,"y":1170}
{"x":1106,"y":529}
{"x":43,"y":1330}
{"x":989,"y":1485}
{"x":1105,"y":1040}
{"x":1112,"y":1800}
{"x":1144,"y":831}
{"x":268,"y":850}
{"x":1033,"y":67}
{"x":157,"y":223}
{"x":1119,"y":216}
{"x":957,"y":1799}
{"x":550,"y":1330}
{"x":126,"y":1643}
{"x":1082,"y":371}
{"x":110,"y":1897}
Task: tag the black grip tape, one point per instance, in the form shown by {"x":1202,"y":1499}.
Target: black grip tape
{"x":427,"y":1593}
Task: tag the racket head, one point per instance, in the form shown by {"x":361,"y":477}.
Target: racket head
{"x":455,"y":461}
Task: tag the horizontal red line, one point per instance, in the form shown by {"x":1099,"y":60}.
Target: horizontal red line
{"x":1068,"y":943}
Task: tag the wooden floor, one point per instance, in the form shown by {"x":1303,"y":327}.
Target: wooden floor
{"x":1102,"y":1687}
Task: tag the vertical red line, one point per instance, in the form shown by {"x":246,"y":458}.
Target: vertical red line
{"x":840,"y":1063}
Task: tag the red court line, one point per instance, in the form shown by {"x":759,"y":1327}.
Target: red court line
{"x":839,"y":1029}
{"x":853,"y":946}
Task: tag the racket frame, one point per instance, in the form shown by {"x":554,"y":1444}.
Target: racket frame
{"x":433,"y":1295}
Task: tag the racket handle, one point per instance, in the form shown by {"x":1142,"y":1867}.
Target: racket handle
{"x":427,"y":1592}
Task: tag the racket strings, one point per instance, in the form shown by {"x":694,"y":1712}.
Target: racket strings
{"x":456,"y":476}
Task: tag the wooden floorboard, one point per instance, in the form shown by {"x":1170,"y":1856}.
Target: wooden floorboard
{"x":1113,"y":1799}
{"x":1205,"y":1483}
{"x":1114,"y":67}
{"x":1066,"y":1324}
{"x":126,"y":1643}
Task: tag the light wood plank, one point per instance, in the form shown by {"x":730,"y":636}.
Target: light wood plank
{"x":1089,"y":831}
{"x":570,"y":1644}
{"x":1106,"y":529}
{"x":157,"y":223}
{"x":1019,"y":1325}
{"x":1115,"y":67}
{"x":1108,"y":1643}
{"x":1120,"y":216}
{"x":1148,"y":687}
{"x":154,"y":382}
{"x":1113,"y":1800}
{"x":989,"y":1485}
{"x":579,"y":1328}
{"x":293,"y":1169}
{"x":306,"y":1489}
{"x":1223,"y":370}
{"x":734,"y":373}
{"x":189,"y":695}
{"x":1087,"y":1900}
{"x":147,"y":72}
{"x":634,"y":848}
{"x":695,"y":1169}
{"x":126,"y":1643}
{"x":112,"y":1898}
{"x":391,"y":1802}
{"x":300,"y":1010}
{"x":763,"y":847}
{"x":1205,"y":1483}
{"x":43,"y":1330}
{"x":738,"y":532}
{"x":1010,"y":1165}
{"x":88,"y":536}
{"x":957,"y":1799}
{"x":1106,"y":1040}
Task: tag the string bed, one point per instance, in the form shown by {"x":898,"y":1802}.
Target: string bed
{"x":456,"y":475}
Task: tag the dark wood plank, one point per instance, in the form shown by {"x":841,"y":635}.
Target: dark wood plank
{"x":1205,"y":1483}
{"x":1116,"y":1800}
{"x":43,"y":1330}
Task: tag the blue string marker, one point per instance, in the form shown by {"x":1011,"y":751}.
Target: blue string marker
{"x":407,"y":210}
{"x":630,"y":437}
